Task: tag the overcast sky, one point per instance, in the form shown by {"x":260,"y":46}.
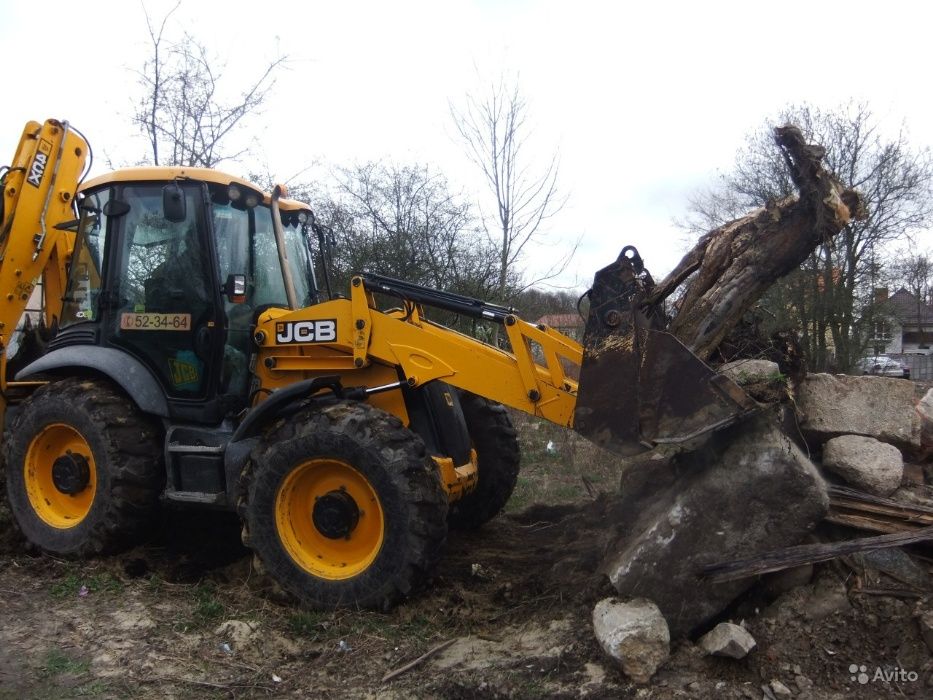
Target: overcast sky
{"x":645,"y":105}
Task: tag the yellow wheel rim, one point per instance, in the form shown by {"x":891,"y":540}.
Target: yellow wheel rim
{"x":339,"y":546}
{"x":54,"y":506}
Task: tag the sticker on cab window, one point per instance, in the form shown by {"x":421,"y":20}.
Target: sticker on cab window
{"x":132,"y":321}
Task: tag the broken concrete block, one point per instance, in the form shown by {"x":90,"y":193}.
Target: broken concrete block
{"x":879,"y":407}
{"x":780,"y":690}
{"x":727,"y":639}
{"x":744,"y":372}
{"x":750,"y":490}
{"x":865,"y":463}
{"x":925,"y":411}
{"x":634,"y":634}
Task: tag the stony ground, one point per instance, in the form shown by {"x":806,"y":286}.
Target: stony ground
{"x":185,"y":616}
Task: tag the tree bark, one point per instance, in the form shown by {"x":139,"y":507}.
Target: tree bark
{"x":733,"y":265}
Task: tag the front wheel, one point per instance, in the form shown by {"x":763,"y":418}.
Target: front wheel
{"x":83,"y":468}
{"x":344,"y":507}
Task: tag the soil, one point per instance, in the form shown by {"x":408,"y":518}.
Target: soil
{"x":186,"y":616}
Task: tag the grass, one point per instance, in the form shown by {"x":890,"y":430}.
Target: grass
{"x":56,"y":662}
{"x":207,"y":606}
{"x":60,"y":676}
{"x":309,"y":624}
{"x":559,"y":466}
{"x":350,"y":626}
{"x":71,"y":584}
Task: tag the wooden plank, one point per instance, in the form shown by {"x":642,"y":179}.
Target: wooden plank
{"x":862,"y":522}
{"x":899,"y":513}
{"x":835,"y":490}
{"x":865,"y":511}
{"x":808,"y":554}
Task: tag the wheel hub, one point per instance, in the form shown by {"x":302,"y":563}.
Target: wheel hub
{"x":71,"y":473}
{"x":335,"y":515}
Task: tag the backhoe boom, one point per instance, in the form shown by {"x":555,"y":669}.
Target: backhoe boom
{"x":38,"y":191}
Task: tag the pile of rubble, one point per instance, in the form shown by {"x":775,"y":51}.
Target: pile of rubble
{"x":842,"y":456}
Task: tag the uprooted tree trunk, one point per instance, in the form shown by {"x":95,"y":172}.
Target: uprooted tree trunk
{"x":672,"y":396}
{"x":735,"y":264}
{"x":748,"y":488}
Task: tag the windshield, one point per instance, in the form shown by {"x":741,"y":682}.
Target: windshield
{"x":299,"y":258}
{"x":245,"y":243}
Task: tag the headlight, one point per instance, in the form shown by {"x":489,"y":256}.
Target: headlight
{"x":302,"y":217}
{"x":252,"y":199}
{"x":233,"y":192}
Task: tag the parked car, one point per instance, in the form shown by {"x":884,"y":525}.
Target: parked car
{"x":883,"y":366}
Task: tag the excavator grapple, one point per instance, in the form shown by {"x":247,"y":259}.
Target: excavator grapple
{"x":639,"y":385}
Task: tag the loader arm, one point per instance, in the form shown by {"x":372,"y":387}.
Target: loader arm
{"x":646,"y":389}
{"x":349,"y":336}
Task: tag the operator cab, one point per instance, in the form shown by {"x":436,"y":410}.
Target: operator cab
{"x":172,"y":266}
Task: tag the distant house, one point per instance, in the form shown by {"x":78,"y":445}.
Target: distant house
{"x":569,"y":324}
{"x":903,"y":325}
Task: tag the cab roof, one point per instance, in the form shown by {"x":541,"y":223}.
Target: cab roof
{"x":169,"y":173}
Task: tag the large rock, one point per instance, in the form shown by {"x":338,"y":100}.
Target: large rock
{"x":865,"y":463}
{"x":727,"y":639}
{"x":634,"y":634}
{"x":879,"y":407}
{"x":750,"y":490}
{"x":744,"y":372}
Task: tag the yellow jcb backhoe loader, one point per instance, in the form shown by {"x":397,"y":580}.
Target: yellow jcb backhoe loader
{"x":191,"y":357}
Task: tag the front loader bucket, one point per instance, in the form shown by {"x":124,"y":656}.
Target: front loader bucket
{"x":639,"y":385}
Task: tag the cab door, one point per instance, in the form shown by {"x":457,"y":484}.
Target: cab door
{"x":164,"y":300}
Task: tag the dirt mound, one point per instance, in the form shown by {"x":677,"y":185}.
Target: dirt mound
{"x":186,"y":616}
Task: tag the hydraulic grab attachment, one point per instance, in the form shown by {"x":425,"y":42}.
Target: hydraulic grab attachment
{"x":670,"y":395}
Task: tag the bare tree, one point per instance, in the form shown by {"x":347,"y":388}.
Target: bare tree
{"x":495,"y":132}
{"x":405,"y":222}
{"x":829,"y":299}
{"x":181,"y":112}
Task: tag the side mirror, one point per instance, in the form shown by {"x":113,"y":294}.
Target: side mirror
{"x":115,"y":207}
{"x":235,"y":289}
{"x":173,"y":203}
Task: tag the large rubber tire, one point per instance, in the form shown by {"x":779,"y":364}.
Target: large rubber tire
{"x":120,"y":448}
{"x":498,"y":461}
{"x":353,"y":457}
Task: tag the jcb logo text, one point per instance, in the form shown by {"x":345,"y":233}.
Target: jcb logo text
{"x":306,"y":331}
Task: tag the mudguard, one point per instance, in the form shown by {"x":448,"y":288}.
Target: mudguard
{"x":126,"y":371}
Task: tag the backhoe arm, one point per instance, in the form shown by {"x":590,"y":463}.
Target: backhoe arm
{"x":38,"y":192}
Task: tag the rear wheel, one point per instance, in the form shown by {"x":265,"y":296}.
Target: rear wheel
{"x":498,"y":458}
{"x":83,"y":470}
{"x":344,"y":508}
